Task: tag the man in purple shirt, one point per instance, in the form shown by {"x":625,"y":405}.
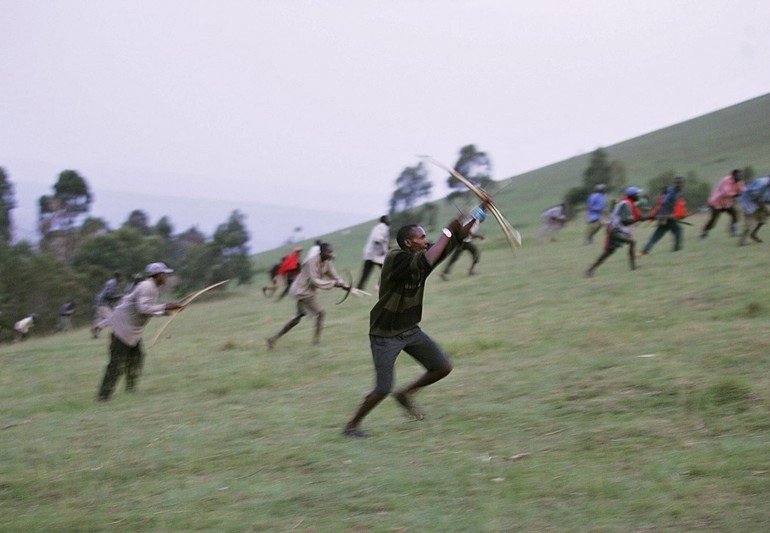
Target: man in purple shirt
{"x":594,"y":211}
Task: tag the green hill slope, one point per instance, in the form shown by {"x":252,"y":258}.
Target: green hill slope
{"x":710,"y":145}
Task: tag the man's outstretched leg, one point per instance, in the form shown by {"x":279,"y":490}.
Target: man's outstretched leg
{"x":285,"y":329}
{"x":632,"y":254}
{"x":437,"y":366}
{"x":319,"y":326}
{"x":605,"y":254}
{"x":371,"y":401}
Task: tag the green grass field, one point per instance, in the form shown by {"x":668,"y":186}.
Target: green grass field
{"x":641,"y":399}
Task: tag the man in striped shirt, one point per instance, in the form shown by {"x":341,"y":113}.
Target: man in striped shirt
{"x":393,"y":324}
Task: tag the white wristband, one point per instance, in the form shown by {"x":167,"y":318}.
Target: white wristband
{"x":447,"y":233}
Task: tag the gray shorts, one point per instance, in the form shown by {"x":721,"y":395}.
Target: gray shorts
{"x":416,"y":343}
{"x":308,"y":307}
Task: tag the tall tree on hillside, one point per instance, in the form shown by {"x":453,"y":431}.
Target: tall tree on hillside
{"x":230,"y":241}
{"x":696,"y":192}
{"x":474,"y":165}
{"x":60,"y":212}
{"x":7,"y":204}
{"x":139,"y":221}
{"x":599,"y":170}
{"x":163,"y":228}
{"x":412,"y":185}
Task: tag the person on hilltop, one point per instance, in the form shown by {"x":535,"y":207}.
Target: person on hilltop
{"x":595,"y":205}
{"x":466,"y":245}
{"x":553,"y":219}
{"x":21,"y":328}
{"x":289,"y":269}
{"x":106,"y":300}
{"x":620,"y":229}
{"x":129,"y":318}
{"x":722,"y":201}
{"x":375,"y":249}
{"x":272,"y":286}
{"x":394,"y":319}
{"x":318,"y":273}
{"x":670,"y":209}
{"x":753,"y":202}
{"x":66,"y":311}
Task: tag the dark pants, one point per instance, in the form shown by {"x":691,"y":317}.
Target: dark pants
{"x":715,"y":216}
{"x":669,"y":225}
{"x":458,"y":251}
{"x":123,"y":358}
{"x":367,"y":269}
{"x":416,"y":343}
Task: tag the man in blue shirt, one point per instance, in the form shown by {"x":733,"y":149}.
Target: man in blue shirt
{"x":594,"y":211}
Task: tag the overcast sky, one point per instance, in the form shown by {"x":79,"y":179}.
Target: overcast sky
{"x":321,"y":104}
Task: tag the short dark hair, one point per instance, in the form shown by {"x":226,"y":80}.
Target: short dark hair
{"x":404,"y":233}
{"x":324,"y":246}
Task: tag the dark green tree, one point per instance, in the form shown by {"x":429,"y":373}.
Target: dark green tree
{"x":412,"y":186}
{"x":599,"y":170}
{"x":230,"y":241}
{"x":35,"y":282}
{"x":59,"y":214}
{"x":7,"y":204}
{"x":125,"y":250}
{"x":139,"y":221}
{"x":696,"y":192}
{"x":163,"y":228}
{"x":474,"y":165}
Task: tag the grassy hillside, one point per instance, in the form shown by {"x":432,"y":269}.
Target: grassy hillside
{"x":711,"y":146}
{"x":630,"y":401}
{"x":642,"y":399}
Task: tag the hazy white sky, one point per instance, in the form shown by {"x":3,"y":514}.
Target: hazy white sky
{"x":321,"y":104}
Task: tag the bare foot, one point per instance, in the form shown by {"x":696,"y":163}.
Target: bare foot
{"x":406,"y":402}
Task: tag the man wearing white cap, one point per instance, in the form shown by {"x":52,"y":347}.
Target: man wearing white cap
{"x":131,"y":315}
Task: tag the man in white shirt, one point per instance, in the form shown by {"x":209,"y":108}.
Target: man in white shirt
{"x":22,"y":327}
{"x":130,"y":316}
{"x":376,"y":249}
{"x":318,"y":273}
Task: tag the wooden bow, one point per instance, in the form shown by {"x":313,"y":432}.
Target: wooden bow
{"x":183,"y":303}
{"x":350,"y":286}
{"x":511,"y":234}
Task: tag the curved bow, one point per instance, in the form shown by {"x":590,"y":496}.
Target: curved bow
{"x":350,"y":286}
{"x":183,"y":303}
{"x":511,"y":234}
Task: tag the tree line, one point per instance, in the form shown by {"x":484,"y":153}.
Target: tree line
{"x":76,"y":253}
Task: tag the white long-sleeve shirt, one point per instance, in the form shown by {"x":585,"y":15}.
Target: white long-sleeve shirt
{"x":377,"y":244}
{"x":135,"y":310}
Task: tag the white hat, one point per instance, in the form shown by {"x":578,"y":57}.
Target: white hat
{"x":157,"y":268}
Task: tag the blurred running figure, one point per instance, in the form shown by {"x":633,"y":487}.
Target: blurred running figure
{"x":393,"y":324}
{"x":554,"y":219}
{"x":106,"y":300}
{"x":721,"y":201}
{"x":754,"y":202}
{"x":466,"y":245}
{"x":376,"y":249}
{"x":620,"y":229}
{"x":318,"y":273}
{"x":131,"y":315}
{"x":670,"y":209}
{"x":594,"y":211}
